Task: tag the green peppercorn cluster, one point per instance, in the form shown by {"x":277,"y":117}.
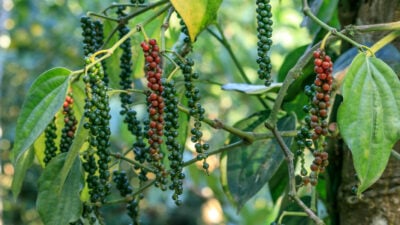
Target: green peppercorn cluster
{"x":97,"y":114}
{"x":264,"y":34}
{"x":89,"y":35}
{"x":120,"y":178}
{"x":155,"y":108}
{"x":184,"y":30}
{"x":50,"y":144}
{"x":192,"y":93}
{"x":171,"y":128}
{"x":99,"y":42}
{"x":70,"y":122}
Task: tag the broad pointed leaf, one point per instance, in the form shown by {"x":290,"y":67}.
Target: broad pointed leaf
{"x":369,"y":117}
{"x":60,"y":208}
{"x":249,"y":168}
{"x":43,"y":100}
{"x":197,"y":14}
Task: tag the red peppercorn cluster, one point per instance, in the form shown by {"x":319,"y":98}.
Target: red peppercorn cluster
{"x":70,"y":122}
{"x":318,"y":165}
{"x":154,"y":99}
{"x":320,"y":101}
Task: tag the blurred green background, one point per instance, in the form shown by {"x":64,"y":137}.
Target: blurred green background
{"x":38,"y":35}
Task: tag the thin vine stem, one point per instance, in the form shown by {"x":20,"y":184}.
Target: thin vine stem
{"x":384,"y":41}
{"x":219,"y":150}
{"x":222,"y":39}
{"x":307,"y":11}
{"x":133,"y":162}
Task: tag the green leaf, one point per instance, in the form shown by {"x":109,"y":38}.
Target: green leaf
{"x":21,"y":166}
{"x":290,"y":61}
{"x":197,"y":14}
{"x":250,"y":167}
{"x":369,"y":117}
{"x":60,"y":208}
{"x":44,"y":99}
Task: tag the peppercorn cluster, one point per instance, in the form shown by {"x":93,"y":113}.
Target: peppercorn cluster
{"x":196,"y":110}
{"x":93,"y":36}
{"x":155,"y":108}
{"x":50,"y":145}
{"x":320,"y":101}
{"x":97,"y":114}
{"x":171,"y":128}
{"x":316,"y":122}
{"x":264,"y":34}
{"x":70,"y":122}
{"x":120,"y":178}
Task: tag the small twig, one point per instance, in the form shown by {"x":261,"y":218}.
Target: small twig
{"x":309,"y":212}
{"x":131,"y":196}
{"x":307,"y":11}
{"x":290,"y":213}
{"x":384,"y":41}
{"x":227,"y":46}
{"x":395,"y":154}
{"x":247,"y":136}
{"x":133,"y":162}
{"x":219,"y":150}
{"x":375,"y":27}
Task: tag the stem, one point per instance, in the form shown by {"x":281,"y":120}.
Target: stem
{"x":128,"y":17}
{"x":395,"y":154}
{"x":248,"y":137}
{"x":219,"y":150}
{"x":384,"y":41}
{"x":289,"y":159}
{"x":102,"y":16}
{"x":375,"y":27}
{"x":130,"y":197}
{"x":122,"y":4}
{"x":119,"y":156}
{"x":127,"y":91}
{"x":307,"y":11}
{"x":292,"y":75}
{"x":287,"y":213}
{"x":309,"y":212}
{"x":227,"y":46}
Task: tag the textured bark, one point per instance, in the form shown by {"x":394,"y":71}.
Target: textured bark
{"x":380,"y":204}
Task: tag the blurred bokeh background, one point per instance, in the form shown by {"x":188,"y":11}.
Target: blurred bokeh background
{"x":38,"y":35}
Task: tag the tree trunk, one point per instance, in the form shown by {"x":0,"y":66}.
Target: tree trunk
{"x":380,"y":204}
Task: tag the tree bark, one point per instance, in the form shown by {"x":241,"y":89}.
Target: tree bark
{"x":380,"y":204}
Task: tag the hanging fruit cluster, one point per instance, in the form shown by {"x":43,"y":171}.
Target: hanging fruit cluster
{"x":316,"y":122}
{"x":70,"y":122}
{"x":264,"y":34}
{"x":155,"y":108}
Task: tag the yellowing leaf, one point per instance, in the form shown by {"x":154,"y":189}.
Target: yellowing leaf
{"x":197,"y":14}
